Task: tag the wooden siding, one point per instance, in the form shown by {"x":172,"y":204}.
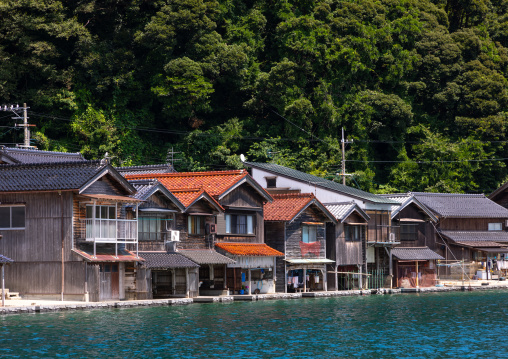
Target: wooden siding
{"x":346,"y":253}
{"x":103,"y":185}
{"x":469,"y":224}
{"x":274,"y":237}
{"x":425,"y":230}
{"x":294,"y":237}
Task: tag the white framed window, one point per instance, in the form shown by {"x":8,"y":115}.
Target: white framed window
{"x":309,"y":234}
{"x":495,"y":226}
{"x":239,"y":224}
{"x":12,"y":217}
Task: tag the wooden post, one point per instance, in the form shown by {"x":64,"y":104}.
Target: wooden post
{"x":225,"y":277}
{"x":304,"y":279}
{"x":336,"y":278}
{"x":63,"y":243}
{"x":275,"y":275}
{"x":234,"y":280}
{"x":325,"y":279}
{"x":250,"y":282}
{"x":3,"y":285}
{"x":391,"y":267}
{"x":173,"y":281}
{"x":187,"y":282}
{"x":417,"y":274}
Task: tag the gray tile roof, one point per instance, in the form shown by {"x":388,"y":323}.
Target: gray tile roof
{"x":146,"y":188}
{"x":5,"y":260}
{"x":23,"y":155}
{"x":47,"y":176}
{"x":477,"y":236}
{"x":342,"y":210}
{"x":165,"y":260}
{"x":457,"y":205}
{"x":206,"y":256}
{"x":148,"y":169}
{"x":404,"y":200}
{"x":319,"y":182}
{"x":415,"y":253}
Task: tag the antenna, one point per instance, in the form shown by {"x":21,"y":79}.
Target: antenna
{"x":343,"y":174}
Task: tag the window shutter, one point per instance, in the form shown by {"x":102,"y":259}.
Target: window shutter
{"x":221,"y":224}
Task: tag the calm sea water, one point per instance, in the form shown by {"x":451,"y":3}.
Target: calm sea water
{"x":451,"y":325}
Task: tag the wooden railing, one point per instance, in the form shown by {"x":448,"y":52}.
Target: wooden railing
{"x":383,"y":234}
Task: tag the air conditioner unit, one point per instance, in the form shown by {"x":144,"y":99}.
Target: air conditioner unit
{"x":174,"y":236}
{"x":392,"y":237}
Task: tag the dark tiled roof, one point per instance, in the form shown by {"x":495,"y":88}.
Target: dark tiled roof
{"x":47,"y":176}
{"x":4,"y":259}
{"x":415,"y":253}
{"x":319,"y":182}
{"x":458,"y":205}
{"x":146,"y":188}
{"x":477,"y":236}
{"x":148,"y":169}
{"x":165,"y":260}
{"x":23,"y":155}
{"x":205,"y":256}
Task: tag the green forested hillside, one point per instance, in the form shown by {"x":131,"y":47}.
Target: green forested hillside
{"x":419,"y":86}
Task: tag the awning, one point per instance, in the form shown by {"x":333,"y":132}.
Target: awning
{"x":205,"y":256}
{"x":355,"y":224}
{"x":411,"y":220}
{"x":112,"y":197}
{"x":157,"y":210}
{"x":164,"y":260}
{"x":249,"y":249}
{"x":415,"y":254}
{"x":108,"y":255}
{"x":494,"y":250}
{"x":5,"y":260}
{"x":309,"y":261}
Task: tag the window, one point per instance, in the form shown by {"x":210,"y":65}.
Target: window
{"x":103,"y":224}
{"x":495,"y":226}
{"x":271,"y":182}
{"x":12,"y":217}
{"x":408,"y":232}
{"x":239,"y":224}
{"x":195,"y":224}
{"x":354,"y":233}
{"x":152,"y":228}
{"x":309,"y":234}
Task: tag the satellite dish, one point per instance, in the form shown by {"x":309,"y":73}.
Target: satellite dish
{"x":242,"y":157}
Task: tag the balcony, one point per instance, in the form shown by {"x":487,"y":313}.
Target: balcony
{"x":383,"y":234}
{"x":109,"y":230}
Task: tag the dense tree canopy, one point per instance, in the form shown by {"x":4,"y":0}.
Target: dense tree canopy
{"x":420,"y":87}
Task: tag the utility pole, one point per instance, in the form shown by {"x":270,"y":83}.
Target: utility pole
{"x":170,"y":158}
{"x":17,"y":111}
{"x":343,"y":141}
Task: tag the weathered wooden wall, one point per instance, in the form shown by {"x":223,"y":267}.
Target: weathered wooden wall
{"x":294,"y":235}
{"x":275,"y":238}
{"x":469,"y":224}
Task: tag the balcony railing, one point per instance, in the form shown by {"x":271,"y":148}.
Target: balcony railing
{"x":109,"y":230}
{"x":383,"y":234}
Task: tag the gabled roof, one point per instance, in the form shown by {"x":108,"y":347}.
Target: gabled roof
{"x":205,"y":256}
{"x":287,"y":207}
{"x":456,"y":205}
{"x":343,"y":210}
{"x":249,"y":249}
{"x":148,"y":169}
{"x":146,"y":188}
{"x":216,"y":183}
{"x":24,"y":155}
{"x":163,"y":260}
{"x":319,"y":182}
{"x":404,"y":200}
{"x":415,"y":253}
{"x":188,"y":197}
{"x":57,"y":176}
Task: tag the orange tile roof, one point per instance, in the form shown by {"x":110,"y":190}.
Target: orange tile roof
{"x":213,"y":182}
{"x":249,"y":249}
{"x":189,"y":195}
{"x":286,"y":206}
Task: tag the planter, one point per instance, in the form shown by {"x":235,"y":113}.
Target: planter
{"x":241,"y":291}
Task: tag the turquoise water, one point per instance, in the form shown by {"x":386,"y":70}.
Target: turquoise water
{"x":435,"y":325}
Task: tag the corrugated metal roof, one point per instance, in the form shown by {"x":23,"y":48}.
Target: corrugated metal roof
{"x":205,"y":256}
{"x":458,"y":205}
{"x":5,"y":260}
{"x":309,"y":261}
{"x":106,"y":254}
{"x":23,"y":155}
{"x":415,"y":253}
{"x":319,"y":182}
{"x":165,"y":260}
{"x":249,"y":249}
{"x":342,"y":210}
{"x":477,"y":236}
